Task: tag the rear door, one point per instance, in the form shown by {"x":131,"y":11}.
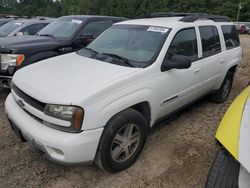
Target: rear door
{"x":233,"y":51}
{"x":213,"y":59}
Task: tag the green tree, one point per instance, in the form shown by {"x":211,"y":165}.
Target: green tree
{"x":125,"y":8}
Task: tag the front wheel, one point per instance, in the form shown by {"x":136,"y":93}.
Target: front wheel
{"x":122,"y":141}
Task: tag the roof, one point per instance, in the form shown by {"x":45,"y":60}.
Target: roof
{"x":169,"y":22}
{"x":87,"y":17}
{"x":33,"y":20}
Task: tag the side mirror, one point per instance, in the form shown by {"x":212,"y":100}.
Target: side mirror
{"x":177,"y":62}
{"x":85,"y":39}
{"x":19,"y":34}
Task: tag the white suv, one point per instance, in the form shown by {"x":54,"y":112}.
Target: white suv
{"x":97,"y":104}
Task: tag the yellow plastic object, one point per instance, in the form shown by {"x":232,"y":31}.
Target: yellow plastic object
{"x":229,"y":129}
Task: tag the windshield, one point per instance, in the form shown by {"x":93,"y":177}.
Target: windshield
{"x":7,"y":28}
{"x":134,"y":43}
{"x":63,"y":27}
{"x":3,"y":22}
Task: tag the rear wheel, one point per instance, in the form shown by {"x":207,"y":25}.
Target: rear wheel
{"x":122,"y":141}
{"x":222,"y":94}
{"x":224,"y":172}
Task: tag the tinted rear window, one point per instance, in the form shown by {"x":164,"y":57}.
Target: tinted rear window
{"x":231,"y":36}
{"x":210,"y":40}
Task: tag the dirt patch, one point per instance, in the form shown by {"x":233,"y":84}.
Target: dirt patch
{"x":178,"y":152}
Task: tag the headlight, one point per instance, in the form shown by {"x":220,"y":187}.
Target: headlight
{"x":71,"y":114}
{"x":11,"y":60}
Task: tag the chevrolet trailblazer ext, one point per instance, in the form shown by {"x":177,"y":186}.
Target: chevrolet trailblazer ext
{"x":98,"y":103}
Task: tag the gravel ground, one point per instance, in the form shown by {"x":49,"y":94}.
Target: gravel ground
{"x":178,"y":153}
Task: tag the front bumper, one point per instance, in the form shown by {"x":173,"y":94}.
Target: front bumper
{"x":66,"y":148}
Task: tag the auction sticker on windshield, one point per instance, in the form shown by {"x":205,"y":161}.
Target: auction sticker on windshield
{"x":18,"y":23}
{"x":76,"y":21}
{"x":158,"y":29}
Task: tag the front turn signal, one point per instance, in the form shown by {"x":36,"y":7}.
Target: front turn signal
{"x":20,"y":58}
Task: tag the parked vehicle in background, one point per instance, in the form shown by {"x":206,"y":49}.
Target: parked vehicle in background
{"x":5,"y":20}
{"x":20,"y":27}
{"x":97,"y":104}
{"x":248,"y":27}
{"x":231,"y":166}
{"x":66,"y":34}
{"x":242,"y":27}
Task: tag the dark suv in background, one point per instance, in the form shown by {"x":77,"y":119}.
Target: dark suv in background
{"x":64,"y":35}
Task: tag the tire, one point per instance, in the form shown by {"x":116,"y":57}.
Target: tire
{"x":222,"y":94}
{"x":116,"y":150}
{"x":224,"y":172}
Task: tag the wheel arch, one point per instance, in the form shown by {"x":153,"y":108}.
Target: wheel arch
{"x":144,"y":109}
{"x":233,"y":68}
{"x":140,"y":101}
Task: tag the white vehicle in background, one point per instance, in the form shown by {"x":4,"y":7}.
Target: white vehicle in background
{"x":20,"y":27}
{"x":97,"y":105}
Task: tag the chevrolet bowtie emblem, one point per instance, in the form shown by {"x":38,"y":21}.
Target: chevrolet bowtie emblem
{"x":21,"y":103}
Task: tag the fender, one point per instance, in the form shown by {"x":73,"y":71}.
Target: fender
{"x":228,"y":133}
{"x":119,"y":104}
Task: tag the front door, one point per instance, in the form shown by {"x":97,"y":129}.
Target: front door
{"x":181,"y":86}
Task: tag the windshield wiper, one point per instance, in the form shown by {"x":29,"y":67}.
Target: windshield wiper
{"x":89,"y":49}
{"x":46,"y":35}
{"x":123,"y":59}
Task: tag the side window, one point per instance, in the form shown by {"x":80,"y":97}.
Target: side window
{"x":32,"y":29}
{"x":95,"y":28}
{"x":184,"y":43}
{"x":231,"y":36}
{"x":210,"y":40}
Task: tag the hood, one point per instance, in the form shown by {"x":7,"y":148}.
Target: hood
{"x":66,"y":78}
{"x":25,"y":43}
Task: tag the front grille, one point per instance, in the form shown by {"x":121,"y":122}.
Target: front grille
{"x":34,"y":117}
{"x":28,"y":99}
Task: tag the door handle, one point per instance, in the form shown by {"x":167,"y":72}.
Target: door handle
{"x":196,"y":71}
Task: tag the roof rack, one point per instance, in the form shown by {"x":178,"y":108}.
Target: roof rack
{"x":187,"y":17}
